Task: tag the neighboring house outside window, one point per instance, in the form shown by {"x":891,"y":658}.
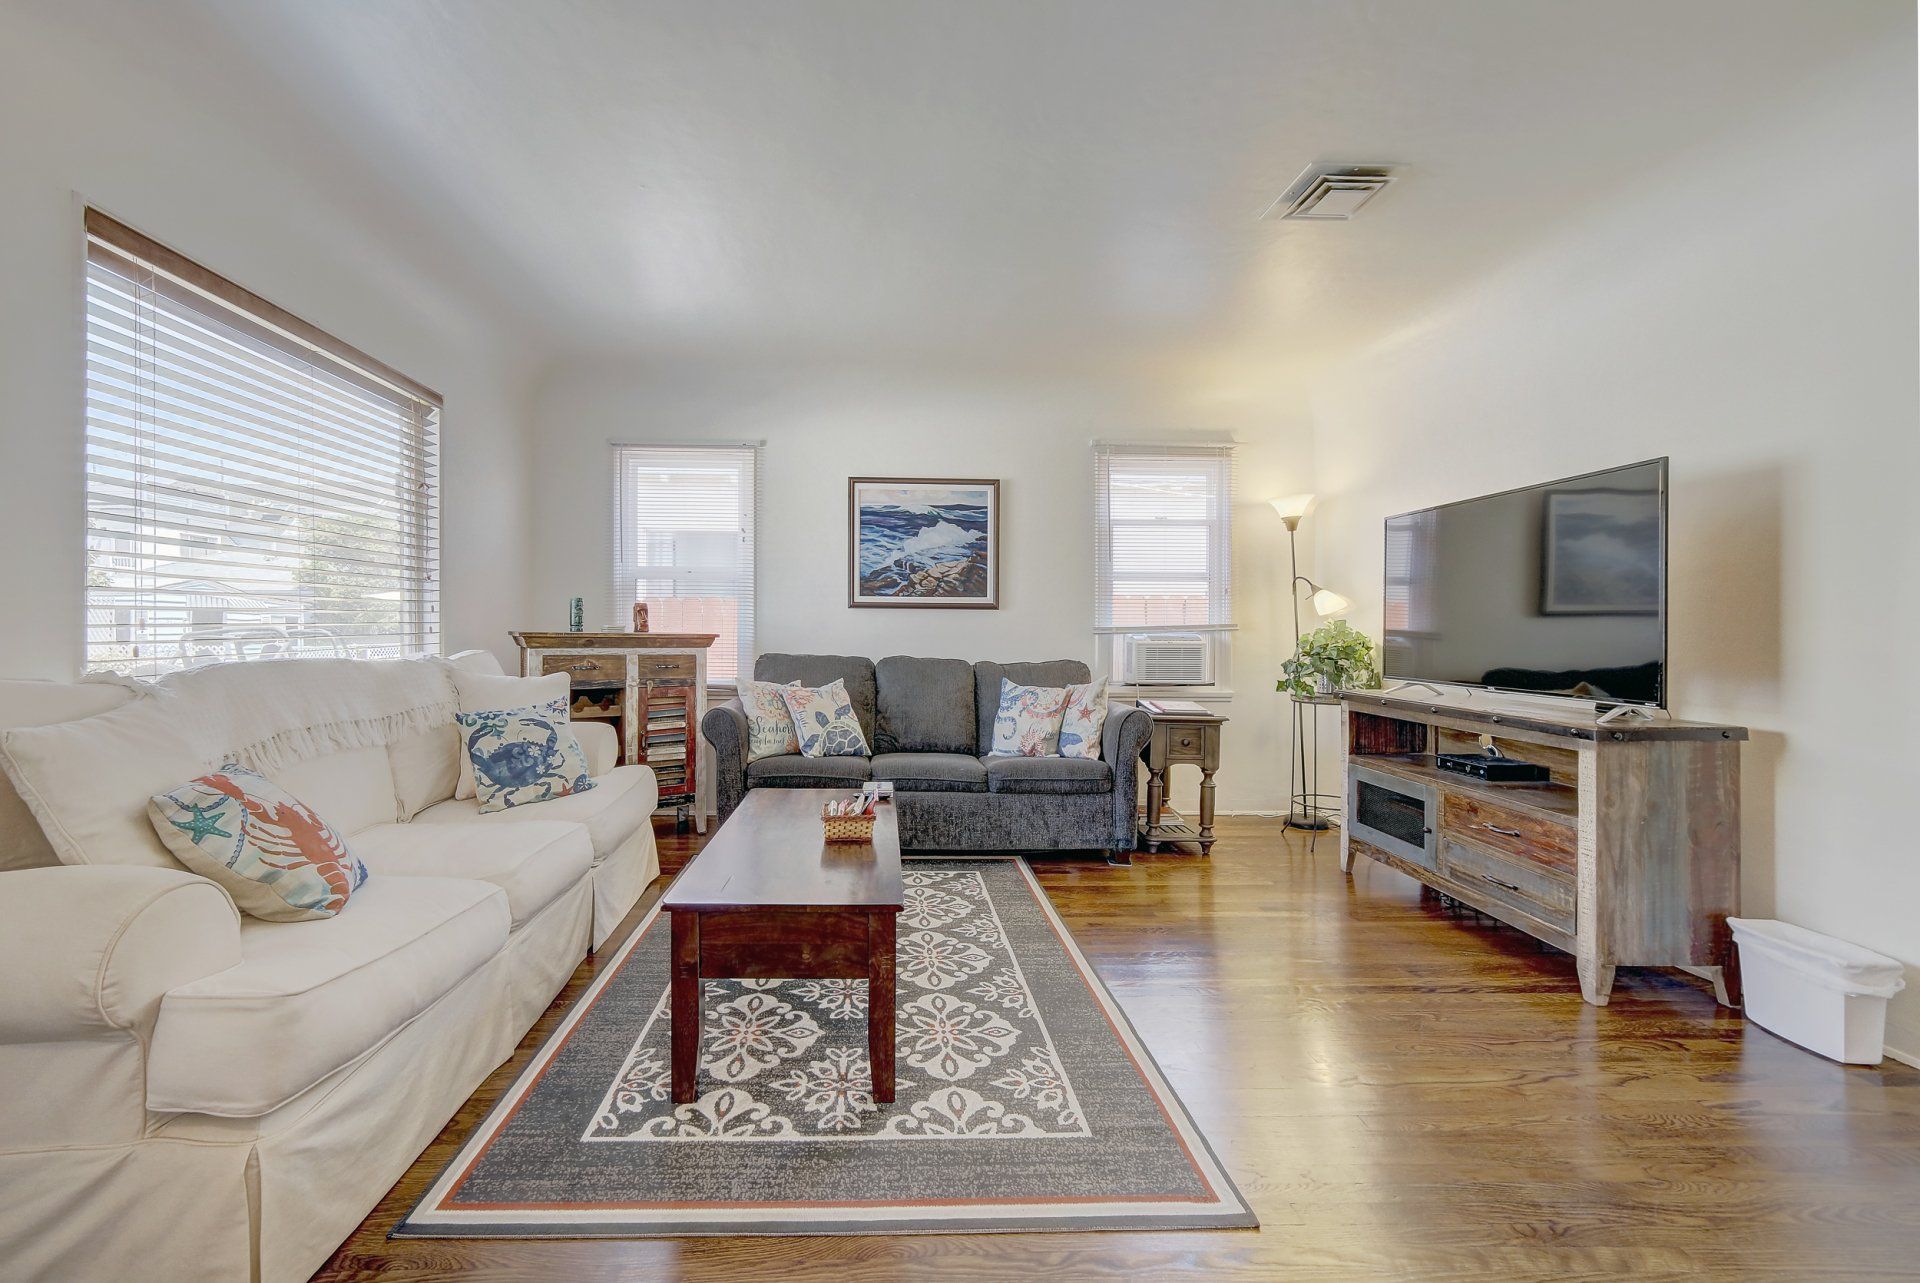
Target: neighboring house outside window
{"x":255,"y":488}
{"x":683,"y":542}
{"x":1163,"y":563}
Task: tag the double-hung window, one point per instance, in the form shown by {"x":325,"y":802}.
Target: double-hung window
{"x":255,"y":488}
{"x":1163,"y":562}
{"x":683,"y":531}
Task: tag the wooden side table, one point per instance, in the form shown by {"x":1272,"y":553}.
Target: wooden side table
{"x":651,"y":686}
{"x":1177,"y":738}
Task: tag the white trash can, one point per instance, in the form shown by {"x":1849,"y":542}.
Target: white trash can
{"x":1825,"y":994}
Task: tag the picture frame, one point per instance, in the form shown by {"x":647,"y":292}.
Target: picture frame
{"x":930,"y":542}
{"x":1593,"y":552}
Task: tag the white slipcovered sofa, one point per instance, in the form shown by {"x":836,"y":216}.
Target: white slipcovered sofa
{"x":187,"y":1093}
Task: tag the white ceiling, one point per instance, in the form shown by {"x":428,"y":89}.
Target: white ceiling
{"x":1043,"y":178}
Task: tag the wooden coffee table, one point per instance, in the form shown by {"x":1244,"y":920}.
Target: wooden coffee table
{"x":769,"y":898}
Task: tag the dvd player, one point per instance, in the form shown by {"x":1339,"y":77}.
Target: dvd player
{"x":1494,"y":767}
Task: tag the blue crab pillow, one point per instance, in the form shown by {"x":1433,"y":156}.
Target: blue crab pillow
{"x":823,"y":719}
{"x":523,"y":755}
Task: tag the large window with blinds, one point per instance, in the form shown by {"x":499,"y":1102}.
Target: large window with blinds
{"x":255,"y":488}
{"x":1163,"y":548}
{"x":683,"y":536}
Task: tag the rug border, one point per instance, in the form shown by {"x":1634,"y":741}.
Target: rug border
{"x":1228,"y":1209}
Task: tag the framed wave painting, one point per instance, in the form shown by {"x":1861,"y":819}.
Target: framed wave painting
{"x":923,"y":542}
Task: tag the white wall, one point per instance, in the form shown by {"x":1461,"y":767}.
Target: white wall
{"x":1758,"y":325}
{"x":215,"y":170}
{"x":823,"y":424}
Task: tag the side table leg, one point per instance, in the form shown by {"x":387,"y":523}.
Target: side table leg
{"x":880,"y":942}
{"x":1206,"y":810}
{"x":684,"y":1017}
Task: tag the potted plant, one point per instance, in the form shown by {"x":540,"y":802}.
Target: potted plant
{"x":1333,"y":656}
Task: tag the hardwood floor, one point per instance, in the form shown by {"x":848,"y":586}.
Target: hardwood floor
{"x":1401,"y":1093}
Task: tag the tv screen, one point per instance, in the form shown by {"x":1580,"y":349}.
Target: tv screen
{"x":1556,"y":589}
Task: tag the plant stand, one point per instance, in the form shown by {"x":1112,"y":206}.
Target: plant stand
{"x":1309,"y":808}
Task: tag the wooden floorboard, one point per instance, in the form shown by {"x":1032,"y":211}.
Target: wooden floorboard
{"x":1400,"y":1091}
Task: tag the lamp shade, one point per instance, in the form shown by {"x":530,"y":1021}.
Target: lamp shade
{"x":1327,"y":603}
{"x":1293,"y":506}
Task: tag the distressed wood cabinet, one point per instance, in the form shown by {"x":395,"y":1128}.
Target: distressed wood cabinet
{"x":651,"y":686}
{"x":1629,"y":855}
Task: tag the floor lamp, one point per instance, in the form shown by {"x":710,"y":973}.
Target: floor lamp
{"x":1303,"y":809}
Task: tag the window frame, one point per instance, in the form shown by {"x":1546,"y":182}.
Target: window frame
{"x":195,"y":296}
{"x":745,"y":455}
{"x":1110,"y":637}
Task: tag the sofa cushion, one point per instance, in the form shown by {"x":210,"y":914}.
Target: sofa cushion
{"x":1047,"y":775}
{"x":310,"y":997}
{"x":924,"y":705}
{"x":988,"y":675}
{"x":533,"y":863}
{"x":792,"y":771}
{"x":770,"y":730}
{"x":353,"y":789}
{"x":819,"y":670}
{"x":269,"y":850}
{"x":931,"y":772}
{"x":1084,"y":720}
{"x":619,"y":805}
{"x":29,"y":703}
{"x":87,"y":781}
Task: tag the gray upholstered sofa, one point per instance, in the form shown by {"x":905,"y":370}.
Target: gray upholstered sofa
{"x":929,"y":721}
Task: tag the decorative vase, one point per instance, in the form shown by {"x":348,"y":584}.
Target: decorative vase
{"x":1324,"y":684}
{"x":577,"y":615}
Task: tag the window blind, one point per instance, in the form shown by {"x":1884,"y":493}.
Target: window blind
{"x":683,"y":543}
{"x":1163,"y":538}
{"x":254,"y":487}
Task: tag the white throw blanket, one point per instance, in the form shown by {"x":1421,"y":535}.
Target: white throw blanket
{"x":272,"y":713}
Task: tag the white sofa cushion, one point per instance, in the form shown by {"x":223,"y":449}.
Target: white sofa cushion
{"x":533,"y":863}
{"x":87,"y":782}
{"x":353,"y":789}
{"x":310,"y":997}
{"x":619,"y":804}
{"x":30,"y":703}
{"x":426,"y":768}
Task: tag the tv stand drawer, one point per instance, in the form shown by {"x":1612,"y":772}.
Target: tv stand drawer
{"x":1518,"y":883}
{"x":1519,"y":833}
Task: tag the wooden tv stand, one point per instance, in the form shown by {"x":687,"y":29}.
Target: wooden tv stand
{"x":1628,"y":857}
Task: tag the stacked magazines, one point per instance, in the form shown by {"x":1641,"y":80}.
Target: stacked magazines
{"x":665,"y":741}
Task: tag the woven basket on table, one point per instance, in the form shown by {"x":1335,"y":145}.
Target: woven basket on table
{"x":848,"y":828}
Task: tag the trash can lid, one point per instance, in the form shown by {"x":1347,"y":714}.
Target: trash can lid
{"x":1856,"y":969}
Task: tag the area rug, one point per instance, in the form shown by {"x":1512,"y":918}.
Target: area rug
{"x":1025,"y":1101}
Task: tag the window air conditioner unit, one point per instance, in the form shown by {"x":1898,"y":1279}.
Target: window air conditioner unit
{"x":1168,"y":659}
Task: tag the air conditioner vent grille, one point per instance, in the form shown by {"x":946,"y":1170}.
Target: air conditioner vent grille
{"x":1168,"y":659}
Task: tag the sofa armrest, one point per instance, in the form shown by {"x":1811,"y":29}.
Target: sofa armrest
{"x":89,"y":950}
{"x":725,"y":728}
{"x":601,"y":744}
{"x":1121,"y":742}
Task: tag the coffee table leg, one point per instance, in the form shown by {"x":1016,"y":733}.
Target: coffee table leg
{"x":685,"y":1015}
{"x":880,"y":1004}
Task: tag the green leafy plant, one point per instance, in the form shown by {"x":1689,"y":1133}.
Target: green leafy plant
{"x":1336,"y":651}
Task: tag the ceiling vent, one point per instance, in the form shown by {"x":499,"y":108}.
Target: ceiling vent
{"x":1330,"y":193}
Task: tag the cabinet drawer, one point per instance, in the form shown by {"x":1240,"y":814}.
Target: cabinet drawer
{"x":1185,"y":742}
{"x":587,"y":670}
{"x":664,"y":668}
{"x":1515,"y":832}
{"x":1544,"y":893}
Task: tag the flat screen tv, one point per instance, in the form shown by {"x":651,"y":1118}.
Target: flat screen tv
{"x":1556,"y":589}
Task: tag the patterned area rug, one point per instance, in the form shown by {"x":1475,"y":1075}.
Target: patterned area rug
{"x":1024,"y":1102}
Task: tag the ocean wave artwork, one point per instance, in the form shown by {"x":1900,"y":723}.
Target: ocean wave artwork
{"x":924,"y":542}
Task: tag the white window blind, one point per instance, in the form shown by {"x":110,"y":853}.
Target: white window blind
{"x":254,"y":488}
{"x":683,"y":532}
{"x":1163,"y":538}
